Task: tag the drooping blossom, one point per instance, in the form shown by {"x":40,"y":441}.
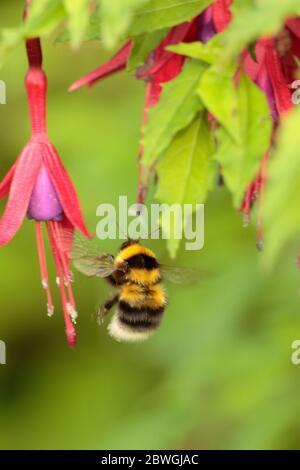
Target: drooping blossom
{"x":39,"y":187}
{"x":267,"y":71}
{"x":273,"y":70}
{"x":161,"y":66}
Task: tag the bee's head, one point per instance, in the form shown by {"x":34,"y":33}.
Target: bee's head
{"x":129,"y":242}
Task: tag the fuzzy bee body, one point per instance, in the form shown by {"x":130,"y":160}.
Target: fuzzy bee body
{"x":141,"y":299}
{"x":136,"y":275}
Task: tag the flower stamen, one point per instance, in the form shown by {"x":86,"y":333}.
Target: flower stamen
{"x":43,"y":267}
{"x":70,"y":329}
{"x":65,"y":268}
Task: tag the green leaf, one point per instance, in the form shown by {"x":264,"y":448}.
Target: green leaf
{"x":209,"y":52}
{"x":158,"y":14}
{"x":78,"y":14}
{"x":44,"y":16}
{"x":142,"y":46}
{"x":219,"y":95}
{"x":282,"y":194}
{"x":186,"y":171}
{"x":187,"y":165}
{"x":240,"y":160}
{"x":116,"y":16}
{"x":177,"y":107}
{"x":169,"y":227}
{"x":91,"y":33}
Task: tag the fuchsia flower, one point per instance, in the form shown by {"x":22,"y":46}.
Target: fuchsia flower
{"x":273,"y":70}
{"x":162,"y":66}
{"x":267,"y":71}
{"x":38,"y":186}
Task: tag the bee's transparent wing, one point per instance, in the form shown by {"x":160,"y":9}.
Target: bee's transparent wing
{"x":100,"y":266}
{"x":181,"y":275}
{"x":89,"y":260}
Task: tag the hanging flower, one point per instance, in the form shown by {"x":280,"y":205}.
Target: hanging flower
{"x":38,"y":186}
{"x":161,"y":67}
{"x":268,"y":73}
{"x":214,"y":19}
{"x":273,"y":70}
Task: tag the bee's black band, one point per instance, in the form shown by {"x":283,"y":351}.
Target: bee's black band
{"x":152,"y":312}
{"x":142,"y":262}
{"x":139,"y":324}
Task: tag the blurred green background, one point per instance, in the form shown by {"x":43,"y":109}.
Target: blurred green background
{"x":218,"y":374}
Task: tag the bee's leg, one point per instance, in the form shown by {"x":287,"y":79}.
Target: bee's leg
{"x":105,"y":308}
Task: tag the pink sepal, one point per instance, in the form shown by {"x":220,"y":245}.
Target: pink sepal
{"x":6,"y":182}
{"x":117,"y":63}
{"x":23,"y":179}
{"x":65,"y":189}
{"x":221,"y":14}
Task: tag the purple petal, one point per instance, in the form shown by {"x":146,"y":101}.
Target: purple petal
{"x":44,"y":203}
{"x":206,"y":27}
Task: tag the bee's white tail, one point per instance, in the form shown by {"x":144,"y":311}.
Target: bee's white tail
{"x":124,"y":333}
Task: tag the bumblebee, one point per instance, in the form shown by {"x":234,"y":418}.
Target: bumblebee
{"x":137,"y":276}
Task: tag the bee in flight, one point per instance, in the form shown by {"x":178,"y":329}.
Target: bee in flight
{"x":137,"y":276}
